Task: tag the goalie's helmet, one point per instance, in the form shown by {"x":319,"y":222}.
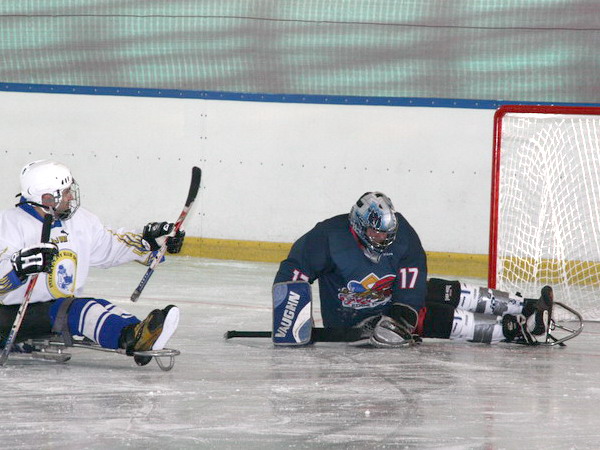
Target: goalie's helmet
{"x":374,"y":222}
{"x":42,"y":178}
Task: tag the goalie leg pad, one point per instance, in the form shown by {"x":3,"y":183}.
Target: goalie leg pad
{"x":292,"y":313}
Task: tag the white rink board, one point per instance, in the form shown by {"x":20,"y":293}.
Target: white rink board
{"x":270,"y":170}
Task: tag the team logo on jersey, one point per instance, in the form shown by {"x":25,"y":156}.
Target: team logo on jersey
{"x":369,"y":292}
{"x":61,"y":281}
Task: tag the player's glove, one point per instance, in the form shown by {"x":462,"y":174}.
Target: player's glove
{"x":34,"y":259}
{"x":397,"y":329}
{"x":155,"y":234}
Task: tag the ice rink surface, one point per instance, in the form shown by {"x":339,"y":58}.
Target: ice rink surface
{"x":246,"y":394}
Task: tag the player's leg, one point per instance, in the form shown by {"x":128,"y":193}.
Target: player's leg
{"x":446,"y":322}
{"x":474,"y":298}
{"x":112,"y":327}
{"x":36,"y":322}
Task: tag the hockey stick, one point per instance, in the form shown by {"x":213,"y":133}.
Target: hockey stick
{"x":10,"y":340}
{"x":194,"y":186}
{"x":318,"y":334}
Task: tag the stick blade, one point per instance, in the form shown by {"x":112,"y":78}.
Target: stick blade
{"x":194,"y":185}
{"x":135,"y":296}
{"x":251,"y":334}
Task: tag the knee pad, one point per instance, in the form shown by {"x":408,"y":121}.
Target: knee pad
{"x":443,"y":291}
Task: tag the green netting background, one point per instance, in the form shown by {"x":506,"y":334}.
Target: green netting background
{"x":530,"y":50}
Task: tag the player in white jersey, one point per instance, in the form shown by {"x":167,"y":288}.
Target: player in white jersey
{"x":78,"y":241}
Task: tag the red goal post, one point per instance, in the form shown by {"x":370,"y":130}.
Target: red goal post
{"x":545,"y":203}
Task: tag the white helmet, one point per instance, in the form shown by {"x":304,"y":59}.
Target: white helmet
{"x":42,"y":177}
{"x":374,"y":210}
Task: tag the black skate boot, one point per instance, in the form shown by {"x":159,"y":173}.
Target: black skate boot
{"x":152,"y":333}
{"x":539,"y":312}
{"x":534,"y":322}
{"x":510,"y":327}
{"x":514,"y":328}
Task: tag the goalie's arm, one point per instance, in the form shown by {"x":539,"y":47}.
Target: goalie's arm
{"x":411,"y":274}
{"x":307,"y":260}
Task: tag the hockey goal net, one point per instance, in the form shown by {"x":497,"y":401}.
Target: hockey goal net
{"x":545,"y":213}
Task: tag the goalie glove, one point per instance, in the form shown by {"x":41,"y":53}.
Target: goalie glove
{"x":392,"y":331}
{"x":397,"y":329}
{"x":155,"y":234}
{"x":35,"y":259}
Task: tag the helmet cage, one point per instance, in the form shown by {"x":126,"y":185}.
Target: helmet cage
{"x":374,"y":211}
{"x":390,"y":236}
{"x":70,"y":207}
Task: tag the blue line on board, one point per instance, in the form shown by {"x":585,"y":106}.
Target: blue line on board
{"x":274,"y":98}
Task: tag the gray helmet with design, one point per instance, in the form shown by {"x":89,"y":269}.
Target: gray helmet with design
{"x":374,"y":210}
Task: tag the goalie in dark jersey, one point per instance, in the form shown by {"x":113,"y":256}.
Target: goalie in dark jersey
{"x":372,"y":273}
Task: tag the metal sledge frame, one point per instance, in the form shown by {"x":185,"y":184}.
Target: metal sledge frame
{"x":43,"y":346}
{"x":572,"y":332}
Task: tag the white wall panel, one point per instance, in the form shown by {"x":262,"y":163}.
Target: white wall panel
{"x":270,"y":170}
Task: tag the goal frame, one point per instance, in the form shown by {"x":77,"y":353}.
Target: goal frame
{"x":496,"y":162}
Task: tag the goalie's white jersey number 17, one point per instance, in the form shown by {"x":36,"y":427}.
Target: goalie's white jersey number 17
{"x":408,"y":277}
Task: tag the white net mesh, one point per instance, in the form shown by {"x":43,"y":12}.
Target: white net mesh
{"x":549,"y":208}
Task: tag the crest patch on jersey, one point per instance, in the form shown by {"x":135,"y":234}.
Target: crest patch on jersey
{"x":61,"y":281}
{"x":369,"y":292}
